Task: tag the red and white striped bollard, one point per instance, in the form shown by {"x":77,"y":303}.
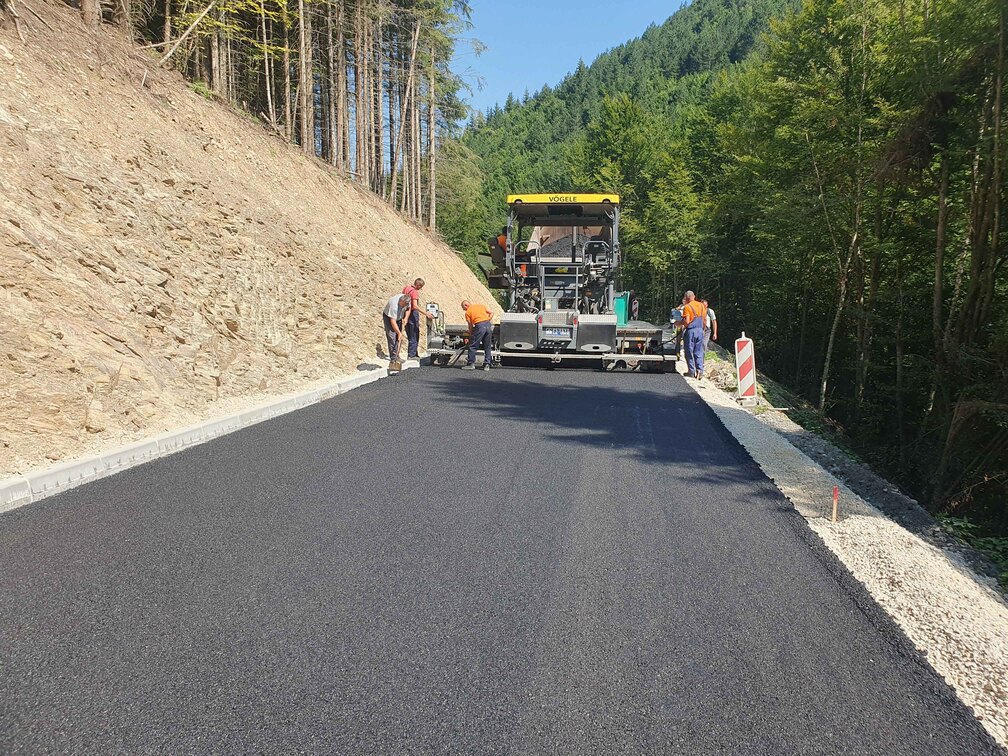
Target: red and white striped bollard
{"x":745,"y":370}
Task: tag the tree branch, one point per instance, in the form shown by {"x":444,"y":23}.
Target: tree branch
{"x":186,"y":33}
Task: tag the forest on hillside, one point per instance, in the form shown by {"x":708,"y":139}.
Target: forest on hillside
{"x":832,"y":177}
{"x":366,"y":85}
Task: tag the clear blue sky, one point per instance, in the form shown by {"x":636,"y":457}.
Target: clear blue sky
{"x":535,"y":42}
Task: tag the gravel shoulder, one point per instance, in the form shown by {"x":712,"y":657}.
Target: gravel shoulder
{"x":954,"y":616}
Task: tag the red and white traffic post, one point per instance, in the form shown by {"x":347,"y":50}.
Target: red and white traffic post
{"x":745,"y":370}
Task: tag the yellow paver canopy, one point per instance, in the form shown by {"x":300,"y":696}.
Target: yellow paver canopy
{"x":562,"y":209}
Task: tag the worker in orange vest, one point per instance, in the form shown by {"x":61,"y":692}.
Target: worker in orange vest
{"x":694,"y":314}
{"x":480,"y":321}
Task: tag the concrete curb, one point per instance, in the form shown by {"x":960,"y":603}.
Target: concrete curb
{"x":19,"y":490}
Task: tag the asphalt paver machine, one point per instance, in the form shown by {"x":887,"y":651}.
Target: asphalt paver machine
{"x":558,"y":263}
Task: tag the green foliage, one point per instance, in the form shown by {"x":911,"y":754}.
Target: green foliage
{"x":458,"y":197}
{"x":830,"y":181}
{"x":202,"y":89}
{"x":628,"y":151}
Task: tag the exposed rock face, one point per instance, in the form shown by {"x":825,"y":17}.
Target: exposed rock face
{"x":163,"y":259}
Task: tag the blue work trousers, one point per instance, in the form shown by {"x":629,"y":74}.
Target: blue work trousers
{"x":681,"y":347}
{"x":695,"y":348}
{"x":413,"y":335}
{"x":482,"y":334}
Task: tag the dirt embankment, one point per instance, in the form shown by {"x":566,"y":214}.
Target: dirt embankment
{"x":164,"y":259}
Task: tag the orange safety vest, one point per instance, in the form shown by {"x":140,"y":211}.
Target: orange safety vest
{"x":693,"y":310}
{"x":476,"y":313}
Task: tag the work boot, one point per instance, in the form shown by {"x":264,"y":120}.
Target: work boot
{"x":469,"y":367}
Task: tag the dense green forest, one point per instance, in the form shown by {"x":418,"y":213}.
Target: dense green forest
{"x":527,"y":144}
{"x":832,"y":177}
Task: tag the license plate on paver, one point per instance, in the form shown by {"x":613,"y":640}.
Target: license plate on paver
{"x":557,"y":333}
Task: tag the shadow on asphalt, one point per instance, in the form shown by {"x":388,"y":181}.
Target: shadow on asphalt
{"x":655,"y":418}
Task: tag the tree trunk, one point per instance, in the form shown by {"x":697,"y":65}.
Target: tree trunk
{"x":937,"y":294}
{"x":216,"y":62}
{"x":392,"y":88}
{"x":358,"y":56}
{"x":200,"y":51}
{"x":344,"y":83}
{"x":416,"y":162}
{"x":306,"y":83}
{"x":365,"y":84}
{"x":123,"y":17}
{"x":229,"y":69}
{"x":403,"y":116}
{"x":91,"y":13}
{"x":288,"y":114}
{"x":332,"y":87}
{"x":853,"y":247}
{"x":899,"y":365}
{"x":980,"y":224}
{"x":866,"y":330}
{"x":842,"y":283}
{"x":377,"y":114}
{"x":996,"y":185}
{"x":432,"y":145}
{"x":267,"y":66}
{"x":324,"y":134}
{"x":803,"y":331}
{"x":405,"y":144}
{"x":167,"y":23}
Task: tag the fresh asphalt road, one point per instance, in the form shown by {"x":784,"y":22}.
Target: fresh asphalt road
{"x":514,"y":562}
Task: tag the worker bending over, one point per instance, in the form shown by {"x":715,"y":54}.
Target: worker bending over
{"x":480,"y":321}
{"x":694,"y":314}
{"x":393,"y":314}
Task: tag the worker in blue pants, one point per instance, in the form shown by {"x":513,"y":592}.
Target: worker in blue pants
{"x":694,"y":314}
{"x":676,"y":319}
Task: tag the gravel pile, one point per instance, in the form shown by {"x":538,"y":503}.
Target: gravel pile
{"x":952,"y":615}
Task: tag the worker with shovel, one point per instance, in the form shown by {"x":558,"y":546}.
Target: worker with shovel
{"x":393,"y":314}
{"x":480,"y":321}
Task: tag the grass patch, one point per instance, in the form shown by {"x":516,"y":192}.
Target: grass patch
{"x":201,"y":88}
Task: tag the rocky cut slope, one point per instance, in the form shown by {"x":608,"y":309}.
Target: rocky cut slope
{"x":164,"y":259}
